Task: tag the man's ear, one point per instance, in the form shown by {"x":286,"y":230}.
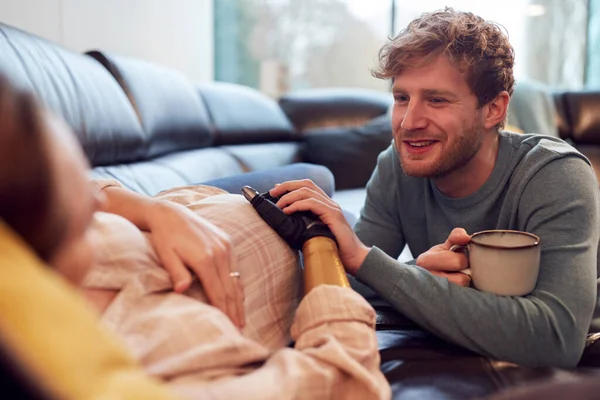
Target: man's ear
{"x":494,"y":112}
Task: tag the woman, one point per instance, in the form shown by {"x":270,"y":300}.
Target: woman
{"x":235,"y":347}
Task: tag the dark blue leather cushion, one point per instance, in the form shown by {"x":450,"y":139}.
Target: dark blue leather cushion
{"x":172,"y":170}
{"x":196,"y":166}
{"x":355,"y":150}
{"x":308,"y":107}
{"x":583,"y":115}
{"x":244,"y":115}
{"x":172,"y":114}
{"x":78,"y":89}
{"x":261,"y":156}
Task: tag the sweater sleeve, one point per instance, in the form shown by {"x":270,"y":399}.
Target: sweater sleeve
{"x":379,"y":222}
{"x":547,"y":327}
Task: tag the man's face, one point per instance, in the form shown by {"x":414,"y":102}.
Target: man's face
{"x":74,"y":199}
{"x":436,"y":121}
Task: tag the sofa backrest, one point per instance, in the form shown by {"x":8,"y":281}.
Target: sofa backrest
{"x":244,"y":115}
{"x":145,"y":124}
{"x":196,"y":133}
{"x":172,"y":115}
{"x":78,"y":89}
{"x":171,"y":107}
{"x":578,"y":120}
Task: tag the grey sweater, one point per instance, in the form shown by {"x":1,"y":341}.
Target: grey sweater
{"x":539,"y":184}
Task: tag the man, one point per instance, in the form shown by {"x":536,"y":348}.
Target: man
{"x":449,"y":171}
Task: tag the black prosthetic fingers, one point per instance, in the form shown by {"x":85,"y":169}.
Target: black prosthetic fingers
{"x":295,"y":229}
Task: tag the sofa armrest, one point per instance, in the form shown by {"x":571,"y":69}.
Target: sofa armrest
{"x":313,"y":108}
{"x":350,"y":153}
{"x":578,"y":117}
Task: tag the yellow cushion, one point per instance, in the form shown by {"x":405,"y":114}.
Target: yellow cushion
{"x":57,"y":338}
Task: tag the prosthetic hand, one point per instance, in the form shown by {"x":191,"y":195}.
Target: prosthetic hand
{"x":295,"y":229}
{"x":303,"y":231}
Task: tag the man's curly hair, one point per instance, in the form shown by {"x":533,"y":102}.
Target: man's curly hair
{"x":478,"y":47}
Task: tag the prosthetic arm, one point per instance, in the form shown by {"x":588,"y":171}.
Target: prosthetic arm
{"x":303,"y":231}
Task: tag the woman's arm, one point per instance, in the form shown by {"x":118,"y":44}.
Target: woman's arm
{"x":335,"y":356}
{"x":131,"y":206}
{"x":184,"y":243}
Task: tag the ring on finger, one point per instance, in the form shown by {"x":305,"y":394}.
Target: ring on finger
{"x":234,"y":274}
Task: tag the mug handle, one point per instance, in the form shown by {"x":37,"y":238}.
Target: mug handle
{"x":460,"y":249}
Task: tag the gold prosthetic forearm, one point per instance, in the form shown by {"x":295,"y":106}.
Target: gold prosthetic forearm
{"x":322,"y":264}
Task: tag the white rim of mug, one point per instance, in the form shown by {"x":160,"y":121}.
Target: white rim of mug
{"x":495,"y":246}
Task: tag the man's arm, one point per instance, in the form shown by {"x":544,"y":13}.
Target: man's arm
{"x":379,"y":221}
{"x":547,"y":327}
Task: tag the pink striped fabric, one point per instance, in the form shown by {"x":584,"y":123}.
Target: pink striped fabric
{"x":199,"y":352}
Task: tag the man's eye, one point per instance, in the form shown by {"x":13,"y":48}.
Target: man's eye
{"x":401,"y":98}
{"x":437,"y":100}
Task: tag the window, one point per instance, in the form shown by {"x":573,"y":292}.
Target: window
{"x":282,"y":45}
{"x":548,"y":35}
{"x":593,"y":47}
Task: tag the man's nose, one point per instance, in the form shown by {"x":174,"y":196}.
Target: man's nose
{"x":414,"y":117}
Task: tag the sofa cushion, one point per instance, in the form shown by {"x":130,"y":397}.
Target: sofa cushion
{"x":172,"y":115}
{"x":172,"y":170}
{"x":197,"y":166}
{"x":78,"y":89}
{"x":244,"y":115}
{"x":314,"y":108}
{"x":261,"y":156}
{"x":349,"y":152}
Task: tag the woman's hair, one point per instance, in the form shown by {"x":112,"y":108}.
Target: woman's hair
{"x":26,"y":197}
{"x":477,"y":47}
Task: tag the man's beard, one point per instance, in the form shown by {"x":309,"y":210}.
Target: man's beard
{"x":462,"y":150}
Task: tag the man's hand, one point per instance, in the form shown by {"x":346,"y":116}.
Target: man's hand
{"x":184,"y":241}
{"x":304,"y":195}
{"x":442,"y":261}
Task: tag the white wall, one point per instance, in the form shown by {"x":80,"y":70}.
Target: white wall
{"x":175,"y":33}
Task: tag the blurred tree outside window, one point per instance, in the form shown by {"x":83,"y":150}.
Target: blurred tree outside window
{"x":556,"y":50}
{"x":284,"y":45}
{"x":281,"y":45}
{"x":548,"y":36}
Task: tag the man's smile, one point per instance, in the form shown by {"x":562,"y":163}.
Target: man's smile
{"x":418,"y":146}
